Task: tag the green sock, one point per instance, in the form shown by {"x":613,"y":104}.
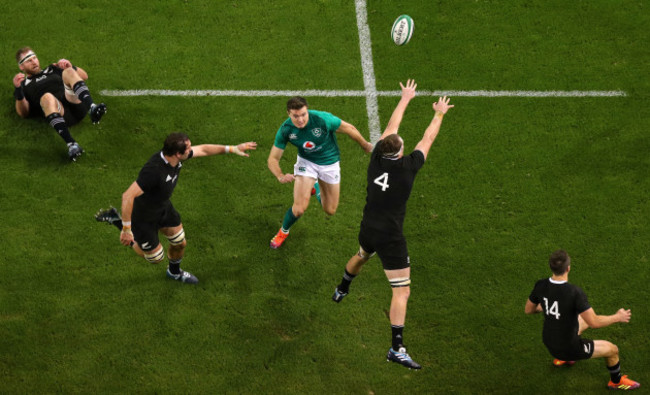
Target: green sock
{"x":289,"y":220}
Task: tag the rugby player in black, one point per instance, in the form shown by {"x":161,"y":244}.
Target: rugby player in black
{"x":567,"y":314}
{"x":390,"y":180}
{"x":58,"y":93}
{"x":147,"y":210}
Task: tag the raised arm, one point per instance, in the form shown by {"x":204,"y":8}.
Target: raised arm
{"x":408,"y":93}
{"x":218,"y":149}
{"x":274,"y":165}
{"x":441,"y":107}
{"x":353,"y":133}
{"x":600,"y":321}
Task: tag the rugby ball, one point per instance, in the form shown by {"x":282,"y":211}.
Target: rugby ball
{"x":402,"y":30}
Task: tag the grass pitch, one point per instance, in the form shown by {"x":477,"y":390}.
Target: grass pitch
{"x":507,"y":181}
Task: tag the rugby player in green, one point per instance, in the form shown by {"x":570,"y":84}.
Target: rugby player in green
{"x":317,"y":166}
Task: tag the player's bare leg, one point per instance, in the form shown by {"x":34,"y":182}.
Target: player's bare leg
{"x":329,"y":194}
{"x":177,"y":243}
{"x":53,"y":111}
{"x":399,"y":280}
{"x":352,"y":269}
{"x":301,"y":193}
{"x":77,"y":92}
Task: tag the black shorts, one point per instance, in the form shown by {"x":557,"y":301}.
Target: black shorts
{"x":72,"y":113}
{"x":145,"y":226}
{"x":579,"y":349}
{"x":392,"y":251}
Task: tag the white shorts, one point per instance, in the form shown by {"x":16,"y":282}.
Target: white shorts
{"x":330,"y":174}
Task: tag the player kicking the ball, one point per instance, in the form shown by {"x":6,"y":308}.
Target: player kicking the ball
{"x":147,"y":210}
{"x":567,"y":314}
{"x":390,"y":180}
{"x":317,"y":169}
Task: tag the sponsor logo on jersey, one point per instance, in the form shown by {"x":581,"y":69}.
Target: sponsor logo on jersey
{"x":41,"y":78}
{"x":170,"y":178}
{"x":316,"y":132}
{"x":293,"y":136}
{"x":308,"y":145}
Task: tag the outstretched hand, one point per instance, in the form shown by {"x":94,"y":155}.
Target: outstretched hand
{"x":408,"y":91}
{"x":240,"y":149}
{"x":442,"y":105}
{"x":18,"y":78}
{"x":624,"y":315}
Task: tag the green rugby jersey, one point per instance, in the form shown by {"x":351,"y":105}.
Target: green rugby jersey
{"x":316,"y":142}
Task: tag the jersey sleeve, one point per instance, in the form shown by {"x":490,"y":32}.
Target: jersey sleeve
{"x":281,"y":138}
{"x":331,"y":121}
{"x":415,"y":160}
{"x":534,"y":295}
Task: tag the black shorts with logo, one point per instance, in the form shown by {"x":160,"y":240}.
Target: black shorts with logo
{"x":392,"y":251}
{"x":579,"y":349}
{"x":145,"y":225}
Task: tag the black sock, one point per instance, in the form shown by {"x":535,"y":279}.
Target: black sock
{"x":81,"y":91}
{"x":615,"y":372}
{"x":175,"y":265}
{"x":345,"y":282}
{"x":58,"y":123}
{"x":397,"y":336}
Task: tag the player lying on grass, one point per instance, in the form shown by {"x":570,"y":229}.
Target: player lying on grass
{"x":317,"y":170}
{"x":390,"y":179}
{"x":146,"y":205}
{"x":58,"y":93}
{"x":567,"y":314}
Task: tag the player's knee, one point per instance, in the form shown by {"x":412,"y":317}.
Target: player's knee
{"x":330,"y":210}
{"x":363,"y":254}
{"x":613,"y":349}
{"x":155,"y":256}
{"x":47,"y":100}
{"x":178,"y":239}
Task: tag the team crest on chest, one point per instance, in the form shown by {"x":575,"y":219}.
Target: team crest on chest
{"x":317,"y":132}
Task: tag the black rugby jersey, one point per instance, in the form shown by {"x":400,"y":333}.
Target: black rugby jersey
{"x":49,"y":80}
{"x":157,"y":179}
{"x":389,"y":187}
{"x":561,"y":304}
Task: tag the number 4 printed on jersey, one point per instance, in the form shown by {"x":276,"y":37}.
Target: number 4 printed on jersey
{"x":554,"y":310}
{"x":382,"y":181}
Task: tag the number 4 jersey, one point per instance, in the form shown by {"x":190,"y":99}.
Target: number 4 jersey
{"x":561,"y":304}
{"x":390,"y":181}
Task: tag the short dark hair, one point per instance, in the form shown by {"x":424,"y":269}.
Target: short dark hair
{"x":559,"y":262}
{"x":296,"y":103}
{"x":21,"y":51}
{"x":175,"y":143}
{"x":390,"y":146}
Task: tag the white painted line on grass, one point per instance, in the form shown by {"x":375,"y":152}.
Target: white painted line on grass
{"x":365,"y":45}
{"x":353,"y":93}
